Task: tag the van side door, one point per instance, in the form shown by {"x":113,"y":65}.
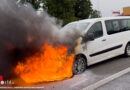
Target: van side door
{"x":115,"y":37}
{"x":95,"y":48}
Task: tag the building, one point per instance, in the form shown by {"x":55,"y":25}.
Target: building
{"x":126,"y":11}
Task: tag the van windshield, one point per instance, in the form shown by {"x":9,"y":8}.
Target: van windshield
{"x":78,"y":26}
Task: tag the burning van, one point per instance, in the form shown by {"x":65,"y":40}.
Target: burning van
{"x":101,"y":39}
{"x":34,"y":50}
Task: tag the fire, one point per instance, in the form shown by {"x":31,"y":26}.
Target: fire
{"x":51,"y":64}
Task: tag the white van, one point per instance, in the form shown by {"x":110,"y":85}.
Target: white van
{"x":103,"y":38}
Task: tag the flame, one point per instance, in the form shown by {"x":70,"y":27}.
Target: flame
{"x":51,"y":64}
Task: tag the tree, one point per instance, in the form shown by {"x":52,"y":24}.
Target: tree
{"x":83,"y":9}
{"x":65,"y":10}
{"x":35,"y":3}
{"x":61,"y":9}
{"x":95,"y":14}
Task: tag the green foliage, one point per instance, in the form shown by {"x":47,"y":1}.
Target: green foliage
{"x":35,"y":3}
{"x":95,"y":14}
{"x":61,"y":9}
{"x":66,"y":10}
{"x":83,"y":9}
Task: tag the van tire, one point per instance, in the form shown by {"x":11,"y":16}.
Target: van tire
{"x":127,"y":50}
{"x":79,"y":65}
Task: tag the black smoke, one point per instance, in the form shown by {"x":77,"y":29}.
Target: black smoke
{"x":23,"y":32}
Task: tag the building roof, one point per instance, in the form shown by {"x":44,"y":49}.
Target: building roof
{"x":127,"y":7}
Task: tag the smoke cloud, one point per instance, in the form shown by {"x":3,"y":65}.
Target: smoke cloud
{"x":23,"y":32}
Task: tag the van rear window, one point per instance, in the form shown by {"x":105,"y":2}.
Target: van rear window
{"x":112,"y":26}
{"x":125,"y":25}
{"x":115,"y":26}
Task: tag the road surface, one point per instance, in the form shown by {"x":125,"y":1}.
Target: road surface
{"x":94,"y":74}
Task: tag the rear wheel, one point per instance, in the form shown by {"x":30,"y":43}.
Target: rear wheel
{"x":127,"y":50}
{"x":79,"y":65}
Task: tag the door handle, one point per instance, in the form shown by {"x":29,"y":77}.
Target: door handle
{"x":104,"y":40}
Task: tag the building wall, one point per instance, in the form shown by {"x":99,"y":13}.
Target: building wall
{"x":126,"y":11}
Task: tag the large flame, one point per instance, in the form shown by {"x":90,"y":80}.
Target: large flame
{"x":50,"y":65}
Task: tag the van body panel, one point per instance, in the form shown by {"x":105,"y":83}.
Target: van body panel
{"x":105,"y":47}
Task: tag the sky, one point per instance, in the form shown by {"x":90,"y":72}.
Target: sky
{"x":106,"y":7}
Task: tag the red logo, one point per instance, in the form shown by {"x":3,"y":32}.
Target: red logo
{"x":1,"y":77}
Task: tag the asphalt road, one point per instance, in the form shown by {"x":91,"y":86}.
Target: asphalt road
{"x":94,"y":74}
{"x":122,"y":83}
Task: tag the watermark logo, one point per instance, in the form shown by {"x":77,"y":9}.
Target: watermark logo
{"x":5,"y":82}
{"x":1,"y":78}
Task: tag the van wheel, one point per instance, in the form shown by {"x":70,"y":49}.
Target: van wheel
{"x":79,"y":65}
{"x":127,"y":50}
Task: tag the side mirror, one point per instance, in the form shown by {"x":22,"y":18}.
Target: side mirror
{"x":88,"y":37}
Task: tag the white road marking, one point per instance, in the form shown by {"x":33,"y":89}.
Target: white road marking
{"x":106,"y":80}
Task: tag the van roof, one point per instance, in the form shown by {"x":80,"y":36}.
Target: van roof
{"x":104,"y":18}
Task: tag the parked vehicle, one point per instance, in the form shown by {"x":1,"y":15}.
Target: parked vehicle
{"x":102,"y":39}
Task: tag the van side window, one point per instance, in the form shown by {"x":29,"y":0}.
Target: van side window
{"x":112,"y":26}
{"x":116,"y":26}
{"x":125,"y":25}
{"x":96,"y":29}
